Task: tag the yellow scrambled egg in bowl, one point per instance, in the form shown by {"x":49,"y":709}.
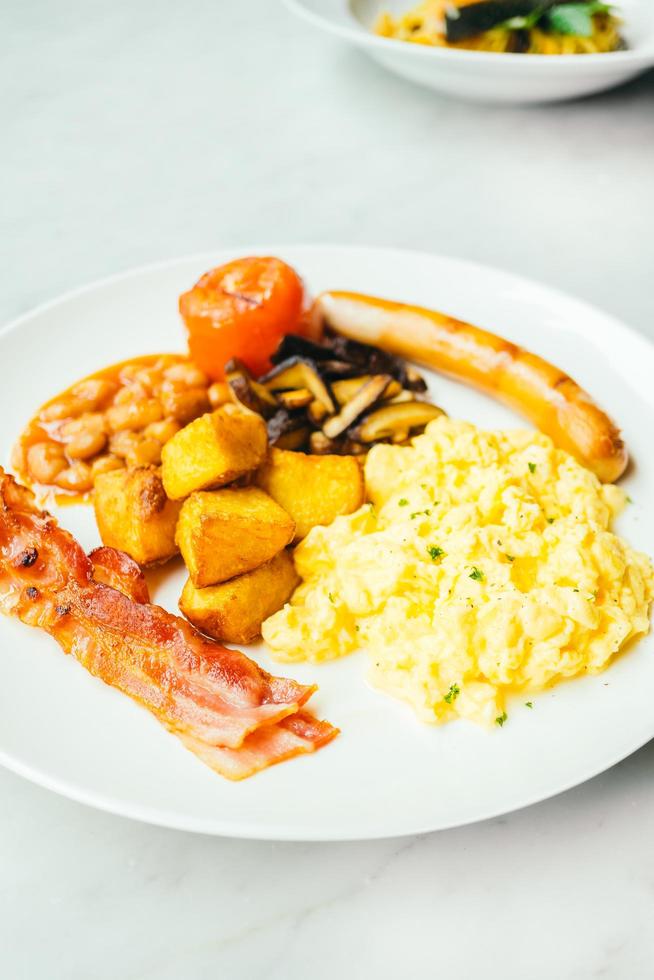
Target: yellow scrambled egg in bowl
{"x":483,"y":565}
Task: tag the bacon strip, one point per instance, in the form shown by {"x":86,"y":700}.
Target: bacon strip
{"x":120,"y":571}
{"x":225,"y":708}
{"x":295,"y":735}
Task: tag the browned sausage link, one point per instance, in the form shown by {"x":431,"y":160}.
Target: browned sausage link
{"x":527,"y":383}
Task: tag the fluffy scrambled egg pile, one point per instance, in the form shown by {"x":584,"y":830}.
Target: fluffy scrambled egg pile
{"x":484,"y":564}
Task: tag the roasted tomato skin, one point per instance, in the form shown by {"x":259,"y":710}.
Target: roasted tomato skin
{"x":242,"y":309}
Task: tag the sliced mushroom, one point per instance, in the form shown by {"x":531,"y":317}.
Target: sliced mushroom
{"x":294,"y":439}
{"x":414,"y":381}
{"x":349,"y":447}
{"x":292,"y":345}
{"x":299,"y":398}
{"x":345,"y":389}
{"x":339,"y":369}
{"x":247,"y":391}
{"x":298,"y":372}
{"x":282,"y":423}
{"x":370,"y":359}
{"x":348,"y":387}
{"x":389,"y":419}
{"x":367,"y":395}
{"x":316,"y":412}
{"x":394,"y":389}
{"x":402,"y":396}
{"x":320,"y":444}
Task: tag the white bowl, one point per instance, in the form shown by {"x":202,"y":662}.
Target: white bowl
{"x":488,"y":76}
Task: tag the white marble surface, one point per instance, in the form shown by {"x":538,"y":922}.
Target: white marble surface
{"x":138,"y":131}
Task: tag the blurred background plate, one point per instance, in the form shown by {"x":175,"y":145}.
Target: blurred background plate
{"x":482,"y":75}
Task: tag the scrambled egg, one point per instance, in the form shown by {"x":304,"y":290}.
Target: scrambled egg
{"x":484,"y":564}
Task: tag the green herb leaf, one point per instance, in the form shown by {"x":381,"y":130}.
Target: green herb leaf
{"x":529,"y":704}
{"x":435,"y":552}
{"x":571,"y":18}
{"x":330,"y":597}
{"x":501,"y":719}
{"x":476,"y":574}
{"x":550,"y":520}
{"x":452,"y":694}
{"x":532,"y":467}
{"x":402,"y":502}
{"x":510,"y":557}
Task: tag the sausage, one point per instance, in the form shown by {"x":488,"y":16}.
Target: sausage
{"x":525,"y":382}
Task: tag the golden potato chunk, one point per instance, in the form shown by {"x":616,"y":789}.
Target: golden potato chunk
{"x":213,"y":450}
{"x":134,"y":514}
{"x":223,"y":533}
{"x":312,"y":489}
{"x":234,"y":611}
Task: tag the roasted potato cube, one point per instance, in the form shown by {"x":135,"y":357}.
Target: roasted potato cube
{"x":234,"y":611}
{"x":134,"y":514}
{"x":312,"y":489}
{"x":223,"y":533}
{"x":213,"y":450}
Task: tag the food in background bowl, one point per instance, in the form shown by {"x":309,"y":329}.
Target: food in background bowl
{"x":517,"y":26}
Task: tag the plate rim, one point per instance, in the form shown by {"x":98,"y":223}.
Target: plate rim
{"x":214,"y":826}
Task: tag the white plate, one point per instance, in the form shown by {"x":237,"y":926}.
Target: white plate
{"x":386,"y":774}
{"x":482,"y":75}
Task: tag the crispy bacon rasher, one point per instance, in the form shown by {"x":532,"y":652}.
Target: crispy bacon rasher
{"x":232,"y":714}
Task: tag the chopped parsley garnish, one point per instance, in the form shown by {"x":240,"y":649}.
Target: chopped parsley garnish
{"x":476,"y":574}
{"x":357,"y":628}
{"x":575,"y":590}
{"x":435,"y":552}
{"x":501,"y":719}
{"x":330,"y":597}
{"x":452,"y":694}
{"x":529,"y":704}
{"x":629,"y":499}
{"x":550,"y":520}
{"x":402,"y":502}
{"x":510,"y":557}
{"x":532,"y":467}
{"x":417,"y":513}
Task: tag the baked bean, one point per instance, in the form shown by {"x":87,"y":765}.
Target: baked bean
{"x":93,"y":392}
{"x":219,"y":394}
{"x":134,"y":415}
{"x":86,"y":396}
{"x":187,"y":374}
{"x":133,"y":392}
{"x":128,"y":373}
{"x":45,"y":461}
{"x":63,"y":408}
{"x":76,"y":477}
{"x":106,"y":463}
{"x":148,"y":378}
{"x":166,"y":360}
{"x":123,"y":443}
{"x":144,"y":453}
{"x":184,"y":405}
{"x":162,"y":431}
{"x":84,"y":437}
